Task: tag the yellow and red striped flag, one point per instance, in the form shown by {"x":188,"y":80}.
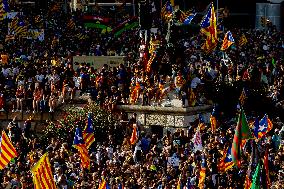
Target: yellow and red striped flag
{"x":228,"y":41}
{"x":88,"y":133}
{"x":8,"y":152}
{"x":80,"y":145}
{"x":243,"y":40}
{"x":134,"y":135}
{"x":42,"y":175}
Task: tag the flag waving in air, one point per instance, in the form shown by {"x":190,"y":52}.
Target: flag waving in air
{"x":208,"y":25}
{"x":80,"y":145}
{"x":228,"y":41}
{"x":189,"y":18}
{"x":167,"y":11}
{"x":42,"y":174}
{"x":265,"y":125}
{"x":227,"y":161}
{"x":209,"y":29}
{"x":7,"y":151}
{"x":88,"y":133}
{"x":242,"y":132}
{"x":134,"y":135}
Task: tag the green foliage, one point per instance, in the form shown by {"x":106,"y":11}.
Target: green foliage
{"x":64,"y":128}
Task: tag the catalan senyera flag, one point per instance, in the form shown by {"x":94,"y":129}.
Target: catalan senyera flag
{"x":243,"y":40}
{"x":71,"y":24}
{"x":242,"y":132}
{"x":42,"y":174}
{"x":209,"y":25}
{"x":80,"y":145}
{"x":167,"y":10}
{"x":228,"y":41}
{"x":265,"y":125}
{"x":88,"y":133}
{"x":134,"y":135}
{"x":81,"y":36}
{"x":7,"y":151}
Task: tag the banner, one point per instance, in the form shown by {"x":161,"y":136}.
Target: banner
{"x":36,"y":34}
{"x":97,"y":25}
{"x":95,"y":18}
{"x":98,"y":61}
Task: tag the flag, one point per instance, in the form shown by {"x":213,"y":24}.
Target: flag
{"x":189,"y":18}
{"x":243,"y":40}
{"x":167,"y":11}
{"x":134,"y":135}
{"x":79,"y":144}
{"x":179,"y":185}
{"x":202,"y":174}
{"x":42,"y":175}
{"x":81,"y":36}
{"x":197,"y":141}
{"x":243,"y":97}
{"x":273,"y":62}
{"x":208,"y":25}
{"x":256,"y":127}
{"x":242,"y":132}
{"x":266,"y":167}
{"x":120,"y":186}
{"x":9,"y":37}
{"x":201,"y":124}
{"x":208,"y":46}
{"x":213,"y":121}
{"x":104,"y":185}
{"x":71,"y":24}
{"x":228,"y":41}
{"x":256,"y":178}
{"x":227,"y":161}
{"x":88,"y":133}
{"x":18,"y":27}
{"x":4,"y":9}
{"x":265,"y":125}
{"x":7,"y":151}
{"x":150,"y":61}
{"x":253,"y":160}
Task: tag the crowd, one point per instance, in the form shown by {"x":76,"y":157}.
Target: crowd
{"x":38,"y":76}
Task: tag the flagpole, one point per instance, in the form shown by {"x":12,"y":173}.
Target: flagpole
{"x":217,"y":14}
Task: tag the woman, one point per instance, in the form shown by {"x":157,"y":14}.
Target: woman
{"x":20,"y":95}
{"x":52,"y":99}
{"x":37,"y":95}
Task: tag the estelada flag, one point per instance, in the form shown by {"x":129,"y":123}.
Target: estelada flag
{"x":228,"y":41}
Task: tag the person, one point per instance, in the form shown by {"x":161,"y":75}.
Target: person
{"x":20,"y":95}
{"x":37,"y":97}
